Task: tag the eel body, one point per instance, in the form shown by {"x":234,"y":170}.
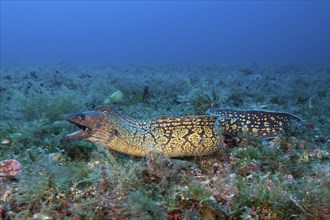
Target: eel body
{"x":173,"y":136}
{"x":263,"y":124}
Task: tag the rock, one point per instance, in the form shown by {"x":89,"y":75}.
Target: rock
{"x":9,"y":168}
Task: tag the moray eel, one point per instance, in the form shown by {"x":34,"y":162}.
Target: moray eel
{"x":262,"y":124}
{"x":173,"y":136}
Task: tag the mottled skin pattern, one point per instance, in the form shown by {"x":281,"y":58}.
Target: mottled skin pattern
{"x":173,"y":136}
{"x":263,"y":124}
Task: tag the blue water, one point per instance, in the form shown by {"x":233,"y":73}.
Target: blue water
{"x":165,"y":32}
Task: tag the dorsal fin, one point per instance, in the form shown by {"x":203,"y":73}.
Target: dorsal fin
{"x":220,"y":112}
{"x":110,"y":111}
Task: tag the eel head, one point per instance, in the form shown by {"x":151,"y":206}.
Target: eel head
{"x":88,"y":122}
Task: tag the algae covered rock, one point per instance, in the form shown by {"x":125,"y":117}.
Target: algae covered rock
{"x":115,"y":97}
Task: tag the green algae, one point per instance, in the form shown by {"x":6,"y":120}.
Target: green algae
{"x":287,"y":177}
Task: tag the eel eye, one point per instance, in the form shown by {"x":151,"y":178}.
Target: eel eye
{"x":79,"y":118}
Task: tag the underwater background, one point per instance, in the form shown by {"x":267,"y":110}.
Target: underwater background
{"x":126,"y":32}
{"x":150,"y":59}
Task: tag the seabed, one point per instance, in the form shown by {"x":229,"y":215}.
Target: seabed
{"x":286,"y":177}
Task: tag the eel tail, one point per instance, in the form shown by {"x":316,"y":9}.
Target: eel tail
{"x":255,"y":123}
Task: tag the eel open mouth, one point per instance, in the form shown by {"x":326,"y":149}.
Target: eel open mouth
{"x":84,"y":121}
{"x":78,"y":134}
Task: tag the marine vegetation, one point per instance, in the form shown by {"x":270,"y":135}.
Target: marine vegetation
{"x":114,"y":98}
{"x":279,"y":176}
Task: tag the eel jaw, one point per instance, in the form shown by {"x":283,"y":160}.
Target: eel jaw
{"x":85,"y":121}
{"x":83,"y":133}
